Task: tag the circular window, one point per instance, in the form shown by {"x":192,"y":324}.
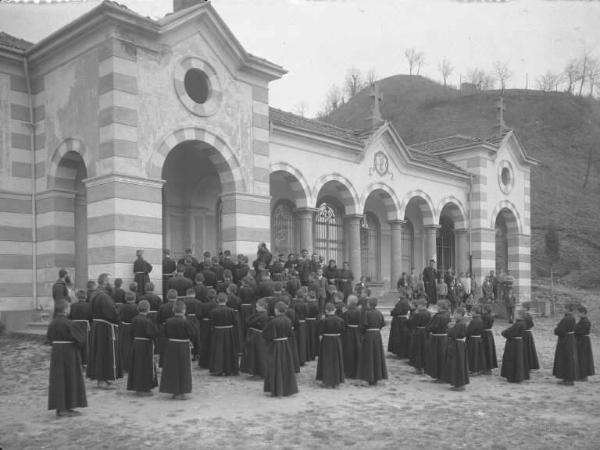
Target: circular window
{"x":197,"y":85}
{"x":506,"y":178}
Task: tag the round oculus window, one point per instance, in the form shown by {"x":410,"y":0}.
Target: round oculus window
{"x":197,"y":85}
{"x":506,"y":178}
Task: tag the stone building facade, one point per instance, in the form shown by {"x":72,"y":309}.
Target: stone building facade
{"x":119,"y":132}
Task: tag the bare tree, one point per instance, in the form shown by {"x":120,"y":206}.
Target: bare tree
{"x":583,"y":63}
{"x":415,"y":59}
{"x":353,"y":82}
{"x":593,"y":74}
{"x":503,"y":73}
{"x":549,"y":81}
{"x":333,"y":100}
{"x":480,"y":79}
{"x":488,"y":82}
{"x":446,"y":69}
{"x":301,"y":108}
{"x":420,"y":62}
{"x":371,"y":76}
{"x":571,"y":74}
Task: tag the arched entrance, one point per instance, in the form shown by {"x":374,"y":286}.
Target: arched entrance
{"x":192,"y":209}
{"x":501,"y":232}
{"x":445,"y":244}
{"x":422,"y":229}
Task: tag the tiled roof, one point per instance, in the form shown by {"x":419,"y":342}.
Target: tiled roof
{"x":434,"y":161}
{"x":284,"y":118}
{"x":10,"y":41}
{"x":497,"y":138}
{"x":445,"y":143}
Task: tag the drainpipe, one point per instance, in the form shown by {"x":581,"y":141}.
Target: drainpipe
{"x":31,"y":125}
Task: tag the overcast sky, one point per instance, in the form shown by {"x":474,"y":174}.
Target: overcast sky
{"x":318,"y":40}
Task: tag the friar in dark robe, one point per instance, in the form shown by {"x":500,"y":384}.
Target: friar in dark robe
{"x":176,"y":377}
{"x":141,"y":377}
{"x":513,"y":360}
{"x":66,"y":390}
{"x":371,"y":365}
{"x":456,"y":368}
{"x":224,"y":339}
{"x":300,"y":331}
{"x":192,"y":308}
{"x":430,"y":276}
{"x":180,"y":283}
{"x":566,"y":364}
{"x":352,"y":337}
{"x":205,"y":328}
{"x":529,"y":349}
{"x":418,"y":323}
{"x":399,"y":339}
{"x":165,"y":312}
{"x":255,"y":349}
{"x":81,"y":316}
{"x":585,"y":357}
{"x":280,"y":376}
{"x":169,"y":269}
{"x":330,"y":365}
{"x":312,"y":323}
{"x":475,"y":351}
{"x":437,"y":343}
{"x":489,"y":344}
{"x":290,"y":312}
{"x":104,"y":365}
{"x":141,"y":271}
{"x":126,"y":314}
{"x":154,"y":300}
{"x":345,"y":280}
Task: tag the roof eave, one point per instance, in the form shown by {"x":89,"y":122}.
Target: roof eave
{"x":318,"y":137}
{"x":12,"y":54}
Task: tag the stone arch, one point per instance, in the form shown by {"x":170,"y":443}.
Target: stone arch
{"x":55,"y":167}
{"x":302,"y":193}
{"x":454,"y":209}
{"x":347,"y":192}
{"x":424,"y":203}
{"x":511,"y":216}
{"x":389,"y":198}
{"x":220,"y":154}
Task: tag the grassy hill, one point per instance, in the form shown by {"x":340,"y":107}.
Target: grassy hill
{"x":556,"y":128}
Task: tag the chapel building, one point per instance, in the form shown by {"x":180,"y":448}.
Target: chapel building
{"x":119,"y":132}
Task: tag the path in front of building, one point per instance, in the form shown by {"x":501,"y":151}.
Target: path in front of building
{"x":407,"y":411}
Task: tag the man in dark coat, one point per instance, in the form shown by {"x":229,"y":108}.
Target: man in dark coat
{"x":585,"y":357}
{"x":169,"y":269}
{"x":371,"y":366}
{"x":566,"y":364}
{"x":513,"y":359}
{"x":67,"y":387}
{"x":418,"y":323}
{"x":142,"y":372}
{"x":456,"y":369}
{"x":430,"y":276}
{"x":60,"y":289}
{"x":510,"y":302}
{"x":224,"y":339}
{"x":180,"y":283}
{"x":141,"y":270}
{"x":103,"y":365}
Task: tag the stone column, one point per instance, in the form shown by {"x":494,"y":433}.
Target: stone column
{"x":460,"y":246}
{"x":353,"y":224}
{"x":430,"y":243}
{"x":305,"y":227}
{"x":396,"y":251}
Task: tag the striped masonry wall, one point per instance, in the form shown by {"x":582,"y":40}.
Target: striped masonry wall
{"x":519,"y":264}
{"x":246,"y":221}
{"x":124,"y":214}
{"x":260,"y":143}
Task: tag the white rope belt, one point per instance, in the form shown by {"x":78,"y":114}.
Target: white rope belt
{"x":191,"y":315}
{"x":246,"y":304}
{"x":487,"y":329}
{"x":530,"y":330}
{"x":114,"y":338}
{"x":311,"y":318}
{"x":125,"y":323}
{"x":206,"y":318}
{"x":179,"y":340}
{"x":474,"y":336}
{"x":138,"y":273}
{"x":403,"y":315}
{"x":62,"y":342}
{"x":421,"y":328}
{"x":352,"y":326}
{"x":302,"y":321}
{"x":142,"y":339}
{"x":256,"y":330}
{"x":439,"y":334}
{"x":373,"y":329}
{"x":280,"y":339}
{"x":570,"y":332}
{"x":331,"y":334}
{"x":517,"y":338}
{"x":460,"y":339}
{"x":224,"y":327}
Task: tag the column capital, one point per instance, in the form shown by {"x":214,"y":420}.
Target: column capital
{"x":306,"y":209}
{"x":397,"y":222}
{"x":119,"y":178}
{"x":434,"y":226}
{"x":461,"y":230}
{"x":353,"y":216}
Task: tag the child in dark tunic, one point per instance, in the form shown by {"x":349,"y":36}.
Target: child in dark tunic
{"x":142,"y":372}
{"x":81,"y":316}
{"x":224,"y":339}
{"x":371,"y":366}
{"x":437,"y":343}
{"x":566,"y":364}
{"x":529,"y":350}
{"x":300,"y":328}
{"x":126,"y":314}
{"x":399,"y":340}
{"x":585,"y":357}
{"x":330,"y":365}
{"x":280,"y":377}
{"x":312,"y":322}
{"x":255,"y":350}
{"x":475,"y":351}
{"x":176,"y":377}
{"x":489,"y":344}
{"x":192,"y":310}
{"x":456,"y":369}
{"x":205,"y":328}
{"x":418,"y":321}
{"x":165,"y":312}
{"x":513,"y":360}
{"x":352,"y":337}
{"x":290,"y":312}
{"x":67,"y":387}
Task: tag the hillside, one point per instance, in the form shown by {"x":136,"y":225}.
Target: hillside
{"x":556,"y":128}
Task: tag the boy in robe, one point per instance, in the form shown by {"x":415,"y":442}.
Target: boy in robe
{"x":126,"y":314}
{"x":399,"y":340}
{"x":255,"y":350}
{"x":290,"y":312}
{"x":456,"y":369}
{"x":437,"y":344}
{"x":345,"y":280}
{"x":529,"y":349}
{"x":585,"y":357}
{"x":179,"y":283}
{"x":418,"y":323}
{"x":475,"y":352}
{"x":489,"y":344}
{"x":321,"y":284}
{"x":300,"y":327}
{"x":81,"y":316}
{"x":352,"y":337}
{"x":280,"y":376}
{"x":201,"y":289}
{"x":330,"y":365}
{"x":371,"y":366}
{"x":154,"y":300}
{"x":205,"y":328}
{"x":141,"y":270}
{"x":118,"y":292}
{"x":142,"y":371}
{"x":67,"y":387}
{"x":513,"y":360}
{"x":510,"y":301}
{"x":192,"y":309}
{"x":176,"y":377}
{"x":566,"y":364}
{"x":224,"y":339}
{"x":312,"y":323}
{"x":165,"y":312}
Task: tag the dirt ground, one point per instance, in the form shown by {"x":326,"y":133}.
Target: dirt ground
{"x":406,"y":411}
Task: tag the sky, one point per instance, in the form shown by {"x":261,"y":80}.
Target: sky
{"x":317,"y":41}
